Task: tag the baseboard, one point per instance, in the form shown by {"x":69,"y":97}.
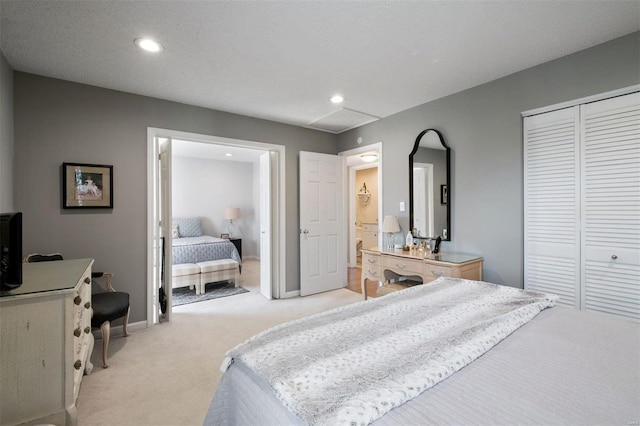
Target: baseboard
{"x":290,"y":294}
{"x":117,"y":330}
{"x":250,"y":258}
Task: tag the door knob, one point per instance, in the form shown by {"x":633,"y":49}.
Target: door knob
{"x":614,"y":257}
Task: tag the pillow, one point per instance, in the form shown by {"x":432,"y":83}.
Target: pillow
{"x":174,"y":231}
{"x":189,"y":226}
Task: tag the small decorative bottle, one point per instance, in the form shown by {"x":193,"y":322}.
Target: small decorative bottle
{"x":409,"y":240}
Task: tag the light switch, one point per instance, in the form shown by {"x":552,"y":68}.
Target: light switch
{"x":401,"y":206}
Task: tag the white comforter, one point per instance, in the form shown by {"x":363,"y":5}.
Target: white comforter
{"x":353,"y":364}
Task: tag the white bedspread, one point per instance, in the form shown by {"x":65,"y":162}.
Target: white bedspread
{"x":353,"y":364}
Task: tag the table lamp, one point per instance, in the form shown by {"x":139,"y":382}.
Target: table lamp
{"x":231,"y":213}
{"x":390,"y":225}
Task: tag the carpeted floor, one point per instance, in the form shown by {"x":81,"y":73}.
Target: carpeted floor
{"x":184,"y":295}
{"x":167,"y":374}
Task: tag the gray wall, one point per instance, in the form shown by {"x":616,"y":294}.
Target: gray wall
{"x":483,"y":127}
{"x":198,"y":192}
{"x":58,"y":121}
{"x":6,"y":136}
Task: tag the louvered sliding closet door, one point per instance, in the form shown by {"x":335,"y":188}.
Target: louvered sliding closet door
{"x":611,"y":205}
{"x":551,"y":207}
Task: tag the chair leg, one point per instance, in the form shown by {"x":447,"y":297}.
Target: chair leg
{"x":125,"y":321}
{"x":106,"y":331}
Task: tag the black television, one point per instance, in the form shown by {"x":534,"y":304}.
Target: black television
{"x":10,"y":251}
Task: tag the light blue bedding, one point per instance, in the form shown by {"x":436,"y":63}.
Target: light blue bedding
{"x":202,"y":249}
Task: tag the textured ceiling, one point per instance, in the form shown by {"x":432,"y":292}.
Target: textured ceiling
{"x":283,"y":60}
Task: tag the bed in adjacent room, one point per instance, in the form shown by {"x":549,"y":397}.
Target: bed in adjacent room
{"x":189,"y":245}
{"x":450,"y":352}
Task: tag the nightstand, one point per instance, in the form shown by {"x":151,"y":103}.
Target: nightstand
{"x":238,"y":243}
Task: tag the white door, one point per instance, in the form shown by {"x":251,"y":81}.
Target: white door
{"x":265,"y":225}
{"x":611,"y":205}
{"x":323,"y":259}
{"x":552,"y":204}
{"x":160,"y":229}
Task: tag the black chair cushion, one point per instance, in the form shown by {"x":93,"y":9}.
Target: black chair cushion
{"x":108,"y":307}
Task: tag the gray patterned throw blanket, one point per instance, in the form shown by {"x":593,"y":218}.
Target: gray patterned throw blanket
{"x":353,"y":364}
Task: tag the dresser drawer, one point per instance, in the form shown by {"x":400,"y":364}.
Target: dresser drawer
{"x":433,"y":271}
{"x":402,"y":266}
{"x":372,"y":273}
{"x":371,"y":266}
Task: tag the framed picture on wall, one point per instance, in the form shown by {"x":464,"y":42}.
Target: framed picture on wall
{"x":87,"y":186}
{"x":444,"y":194}
{"x":224,"y":236}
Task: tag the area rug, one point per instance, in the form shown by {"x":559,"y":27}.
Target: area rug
{"x":183,"y":295}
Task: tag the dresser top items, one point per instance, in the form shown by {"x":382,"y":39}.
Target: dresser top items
{"x":455,"y":258}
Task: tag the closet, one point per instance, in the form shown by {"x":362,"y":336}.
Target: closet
{"x":582,"y":204}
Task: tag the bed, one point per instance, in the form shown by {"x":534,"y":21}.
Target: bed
{"x":548,"y":364}
{"x":189,"y":245}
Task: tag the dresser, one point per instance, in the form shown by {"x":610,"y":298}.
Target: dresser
{"x":382,"y":265}
{"x":46,"y":340}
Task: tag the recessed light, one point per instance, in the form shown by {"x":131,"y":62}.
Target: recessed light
{"x":337,"y":99}
{"x":228,"y":154}
{"x":148,"y":45}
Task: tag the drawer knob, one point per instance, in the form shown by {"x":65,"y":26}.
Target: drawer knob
{"x":87,"y":305}
{"x":87,"y":330}
{"x":614,"y":257}
{"x":401,"y":266}
{"x":77,"y":365}
{"x":371,"y":260}
{"x":77,"y":300}
{"x":87,"y":280}
{"x":77,"y":332}
{"x":438,"y":274}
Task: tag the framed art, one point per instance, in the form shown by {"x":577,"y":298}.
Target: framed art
{"x":224,"y":236}
{"x":444,"y":194}
{"x":87,"y":186}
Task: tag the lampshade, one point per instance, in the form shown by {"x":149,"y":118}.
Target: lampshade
{"x":231,"y":213}
{"x":390,"y":224}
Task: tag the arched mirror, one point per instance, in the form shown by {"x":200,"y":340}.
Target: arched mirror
{"x":430,"y":186}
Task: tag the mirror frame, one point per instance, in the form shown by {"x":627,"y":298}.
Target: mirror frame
{"x":416,"y":145}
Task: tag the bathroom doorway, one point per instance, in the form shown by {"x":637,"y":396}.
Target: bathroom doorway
{"x":364,"y":166}
{"x":366,"y":211}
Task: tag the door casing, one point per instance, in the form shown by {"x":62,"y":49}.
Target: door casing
{"x":278,"y":219}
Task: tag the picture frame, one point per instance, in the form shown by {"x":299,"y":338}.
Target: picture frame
{"x":444,"y":194}
{"x":87,"y":186}
{"x":224,"y":236}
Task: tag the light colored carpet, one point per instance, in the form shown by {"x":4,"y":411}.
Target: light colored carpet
{"x":167,"y":374}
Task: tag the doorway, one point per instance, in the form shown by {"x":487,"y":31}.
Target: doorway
{"x":354,"y":163}
{"x":271,"y":218}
